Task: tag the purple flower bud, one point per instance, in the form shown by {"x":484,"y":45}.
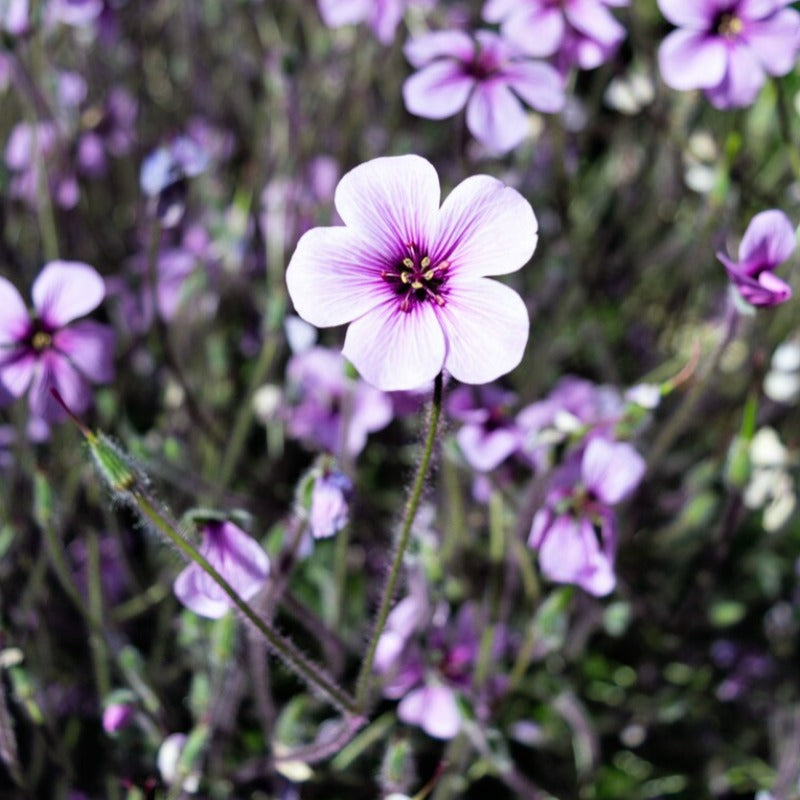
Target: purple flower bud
{"x":116,"y":716}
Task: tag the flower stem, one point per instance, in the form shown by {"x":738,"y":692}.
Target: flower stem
{"x":412,"y":504}
{"x":293,"y":657}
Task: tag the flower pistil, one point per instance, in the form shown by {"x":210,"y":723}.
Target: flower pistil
{"x":418,"y":279}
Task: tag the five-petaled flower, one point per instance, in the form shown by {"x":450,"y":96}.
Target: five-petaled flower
{"x":768,"y":241}
{"x":43,"y":350}
{"x":728,"y":47}
{"x":411,"y":277}
{"x":488,"y":76}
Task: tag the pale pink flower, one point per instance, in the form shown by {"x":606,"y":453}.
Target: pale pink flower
{"x":382,"y":16}
{"x":411,"y":277}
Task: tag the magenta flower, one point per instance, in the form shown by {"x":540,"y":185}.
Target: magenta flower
{"x":575,"y":533}
{"x":728,"y":47}
{"x":485,"y":74}
{"x":239,"y":558}
{"x":411,"y":278}
{"x":768,"y":241}
{"x":579,"y":33}
{"x":43,"y":350}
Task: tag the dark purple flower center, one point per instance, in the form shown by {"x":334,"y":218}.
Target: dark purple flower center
{"x":39,"y":338}
{"x":417,"y":279}
{"x":728,"y":25}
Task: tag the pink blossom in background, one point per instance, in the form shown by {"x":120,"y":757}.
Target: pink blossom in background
{"x":48,"y":349}
{"x":382,"y":16}
{"x":330,"y":509}
{"x":575,"y":532}
{"x":728,"y":47}
{"x":768,"y":241}
{"x":488,"y":76}
{"x":411,"y":277}
{"x":328,"y":409}
{"x":582,"y":33}
{"x":238,"y":557}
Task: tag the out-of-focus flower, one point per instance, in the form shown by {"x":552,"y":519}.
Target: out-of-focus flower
{"x":382,"y":16}
{"x":169,"y":763}
{"x":411,"y":277}
{"x":43,"y":350}
{"x":327,"y":408}
{"x":429,"y":671}
{"x":329,"y":503}
{"x":106,"y":131}
{"x":77,"y":13}
{"x":771,"y":485}
{"x":728,"y":47}
{"x":15,"y":17}
{"x":581,"y":33}
{"x":238,"y":557}
{"x":630,"y":93}
{"x":488,"y":76}
{"x":489,"y":434}
{"x":575,"y":533}
{"x":782,"y":381}
{"x":116,"y":716}
{"x":768,"y":241}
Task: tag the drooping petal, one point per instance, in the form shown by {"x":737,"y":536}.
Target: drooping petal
{"x":538,"y":84}
{"x":696,"y":14}
{"x":66,"y":290}
{"x":53,"y":371}
{"x":90,"y":347}
{"x":334,"y":277}
{"x":769,"y":239}
{"x":390,"y":203}
{"x":496,"y":118}
{"x":423,"y":49}
{"x":485,"y":327}
{"x":14,"y":317}
{"x":743,"y":80}
{"x":437,"y":91}
{"x":690,"y":60}
{"x":765,"y":291}
{"x":485,"y":228}
{"x":432,"y":708}
{"x":393,"y":349}
{"x":611,"y":470}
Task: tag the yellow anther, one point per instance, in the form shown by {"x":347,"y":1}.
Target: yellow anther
{"x":407,"y":262}
{"x":416,"y":285}
{"x":426,"y":262}
{"x":404,"y":277}
{"x":429,"y":274}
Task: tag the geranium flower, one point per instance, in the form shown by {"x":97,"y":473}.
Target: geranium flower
{"x":411,"y":278}
{"x":43,"y":350}
{"x":575,"y":533}
{"x":239,"y":558}
{"x":576,"y":32}
{"x":728,"y":47}
{"x":768,"y":241}
{"x":485,"y":74}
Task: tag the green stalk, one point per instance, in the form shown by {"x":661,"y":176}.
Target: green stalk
{"x":412,"y":504}
{"x":294,"y":658}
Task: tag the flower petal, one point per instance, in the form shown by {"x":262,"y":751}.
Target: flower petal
{"x":66,"y":290}
{"x":90,"y":347}
{"x":495,"y":117}
{"x":393,"y":349}
{"x":440,"y":44}
{"x":14,"y":320}
{"x":538,"y":32}
{"x":775,"y":41}
{"x":769,"y":239}
{"x":595,"y":21}
{"x":390,"y":203}
{"x":485,"y":228}
{"x":743,"y":80}
{"x":538,"y":84}
{"x":485,"y":326}
{"x":697,"y":14}
{"x":16,"y":371}
{"x":333,"y":277}
{"x":612,"y":470}
{"x":434,"y":709}
{"x":336,"y":13}
{"x":691,"y":60}
{"x":55,"y":371}
{"x":437,"y":91}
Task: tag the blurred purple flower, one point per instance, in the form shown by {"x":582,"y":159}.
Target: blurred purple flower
{"x":329,"y":504}
{"x":116,"y":716}
{"x":575,"y":533}
{"x":329,"y":409}
{"x":728,"y":47}
{"x":238,"y":557}
{"x":15,"y":17}
{"x":768,"y":241}
{"x":78,"y":13}
{"x":581,"y":33}
{"x":411,"y":278}
{"x":106,"y":131}
{"x":489,"y":434}
{"x":382,"y":16}
{"x":43,"y":350}
{"x":485,"y":74}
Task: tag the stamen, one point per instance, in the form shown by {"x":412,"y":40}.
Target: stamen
{"x":408,"y":262}
{"x":425,"y":263}
{"x":41,"y":341}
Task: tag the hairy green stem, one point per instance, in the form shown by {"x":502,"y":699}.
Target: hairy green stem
{"x":412,"y":504}
{"x":292,"y":656}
